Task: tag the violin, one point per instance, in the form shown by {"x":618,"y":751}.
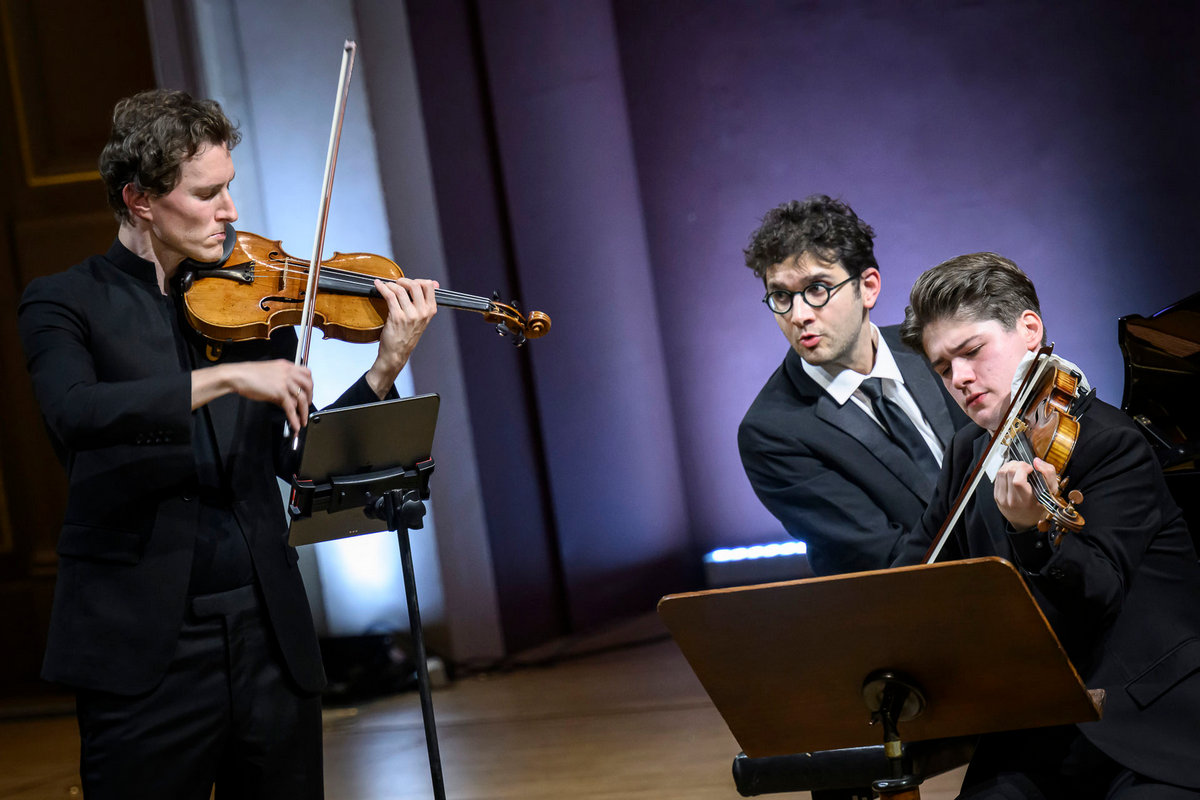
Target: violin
{"x":1047,"y":430}
{"x":257,"y":287}
{"x":1038,"y":423}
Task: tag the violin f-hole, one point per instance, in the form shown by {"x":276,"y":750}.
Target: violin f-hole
{"x":263,"y":304}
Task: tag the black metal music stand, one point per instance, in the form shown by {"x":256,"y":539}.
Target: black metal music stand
{"x":365,"y":469}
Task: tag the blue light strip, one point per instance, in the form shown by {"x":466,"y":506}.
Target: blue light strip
{"x":724,"y":555}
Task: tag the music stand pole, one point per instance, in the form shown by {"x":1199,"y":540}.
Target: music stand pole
{"x":403,"y":510}
{"x":339,"y":480}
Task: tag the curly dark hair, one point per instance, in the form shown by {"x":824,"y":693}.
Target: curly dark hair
{"x":827,"y":228}
{"x":153,"y":133}
{"x":976,"y":287}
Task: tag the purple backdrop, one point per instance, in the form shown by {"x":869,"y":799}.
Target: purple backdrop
{"x":608,"y":159}
{"x":1060,"y":135}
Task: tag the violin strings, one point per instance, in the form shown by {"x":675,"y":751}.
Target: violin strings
{"x":362,"y":280}
{"x":1023,"y":450}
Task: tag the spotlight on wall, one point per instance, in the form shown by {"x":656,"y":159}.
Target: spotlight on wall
{"x":759,"y":563}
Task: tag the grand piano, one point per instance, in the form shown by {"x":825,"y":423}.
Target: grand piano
{"x":1162,"y":384}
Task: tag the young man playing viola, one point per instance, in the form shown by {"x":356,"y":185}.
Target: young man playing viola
{"x":179,"y":616}
{"x":1123,"y":594}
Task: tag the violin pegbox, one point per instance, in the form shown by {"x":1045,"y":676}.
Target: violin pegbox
{"x":518,"y":338}
{"x":511,"y":322}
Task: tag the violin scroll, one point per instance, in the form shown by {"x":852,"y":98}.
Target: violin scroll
{"x":511,"y":322}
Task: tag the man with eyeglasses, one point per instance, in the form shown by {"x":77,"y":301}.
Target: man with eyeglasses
{"x":844,"y":442}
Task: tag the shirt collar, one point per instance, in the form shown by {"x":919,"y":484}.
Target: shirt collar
{"x":842,"y":385}
{"x":137,"y":267}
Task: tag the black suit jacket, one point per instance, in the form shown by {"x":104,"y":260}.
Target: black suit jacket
{"x":101,"y":350}
{"x":1123,"y":595}
{"x":829,"y":473}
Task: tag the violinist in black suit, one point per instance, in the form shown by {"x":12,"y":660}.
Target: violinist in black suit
{"x":844,"y":441}
{"x":1122,"y":594}
{"x":179,"y":615}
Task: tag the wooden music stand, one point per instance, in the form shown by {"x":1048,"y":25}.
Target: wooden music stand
{"x":945,"y":650}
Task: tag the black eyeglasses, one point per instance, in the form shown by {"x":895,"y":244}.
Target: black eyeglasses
{"x":815,"y":295}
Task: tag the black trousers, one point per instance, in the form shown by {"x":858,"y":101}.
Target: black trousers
{"x":225,"y":714}
{"x":1051,"y":763}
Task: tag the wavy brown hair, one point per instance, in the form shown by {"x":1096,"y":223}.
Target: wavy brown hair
{"x":975,"y":287}
{"x":153,"y":133}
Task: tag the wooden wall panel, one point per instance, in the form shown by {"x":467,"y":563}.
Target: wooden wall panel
{"x":45,"y":245}
{"x":56,"y":52}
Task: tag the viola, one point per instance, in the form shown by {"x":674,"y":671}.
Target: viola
{"x":1037,"y":424}
{"x":257,"y":287}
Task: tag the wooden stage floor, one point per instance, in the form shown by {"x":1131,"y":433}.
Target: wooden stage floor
{"x":627,"y":723}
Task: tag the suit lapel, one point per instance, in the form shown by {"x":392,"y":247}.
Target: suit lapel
{"x":925,"y":390}
{"x":854,"y":422}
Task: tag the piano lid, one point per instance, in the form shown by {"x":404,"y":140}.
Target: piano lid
{"x":1162,"y":379}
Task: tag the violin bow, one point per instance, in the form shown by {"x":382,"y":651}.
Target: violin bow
{"x":335,"y":137}
{"x":310,"y":290}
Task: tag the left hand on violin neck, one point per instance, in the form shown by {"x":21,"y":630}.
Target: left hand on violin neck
{"x":411,"y":305}
{"x":1017,"y":495}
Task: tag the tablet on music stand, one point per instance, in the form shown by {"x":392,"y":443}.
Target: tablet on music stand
{"x":360,"y":440}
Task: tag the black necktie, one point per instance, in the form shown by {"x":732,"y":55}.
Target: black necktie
{"x":900,"y":427}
